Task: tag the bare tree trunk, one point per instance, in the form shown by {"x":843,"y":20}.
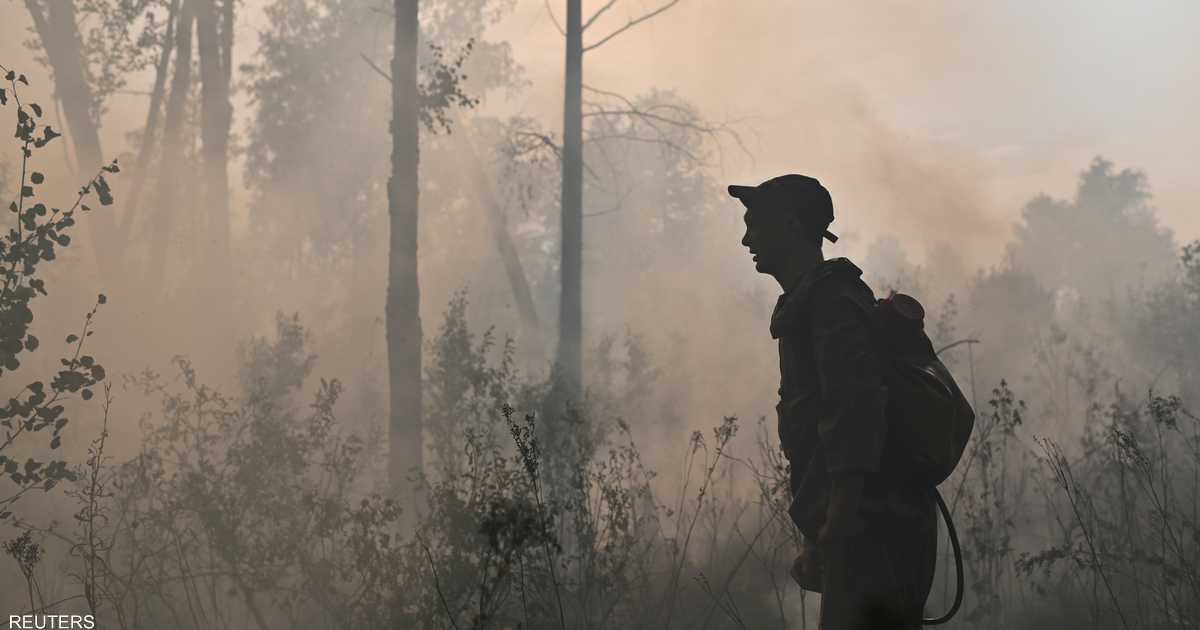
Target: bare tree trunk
{"x":485,"y":196}
{"x":214,"y":41}
{"x":570,"y":318}
{"x":522,"y":294}
{"x":167,"y":200}
{"x":403,"y":313}
{"x":150,"y":131}
{"x":55,"y":23}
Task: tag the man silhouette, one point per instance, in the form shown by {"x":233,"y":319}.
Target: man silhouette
{"x":869,"y":541}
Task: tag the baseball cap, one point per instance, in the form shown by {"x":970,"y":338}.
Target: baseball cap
{"x":801,"y":194}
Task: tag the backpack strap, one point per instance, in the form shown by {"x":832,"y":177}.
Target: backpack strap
{"x":835,"y":275}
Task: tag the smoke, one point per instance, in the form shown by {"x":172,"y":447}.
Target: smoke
{"x":927,"y":119}
{"x":931,"y":126}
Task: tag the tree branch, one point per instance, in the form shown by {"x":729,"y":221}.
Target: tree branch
{"x":554,"y":20}
{"x":630,"y":24}
{"x":557,"y":150}
{"x":622,"y":98}
{"x":375,"y":67}
{"x":542,"y":138}
{"x":645,"y":114}
{"x":656,"y":116}
{"x":597,"y":14}
{"x":674,"y":146}
{"x":617,"y":206}
{"x":956,"y":343}
{"x":648,"y":113}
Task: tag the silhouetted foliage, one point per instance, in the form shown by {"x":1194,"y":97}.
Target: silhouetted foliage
{"x":1060,"y":241}
{"x":37,"y":234}
{"x":316,"y":83}
{"x":1169,"y":327}
{"x":118,"y":37}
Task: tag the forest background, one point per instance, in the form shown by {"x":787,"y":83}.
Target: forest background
{"x":244,"y":264}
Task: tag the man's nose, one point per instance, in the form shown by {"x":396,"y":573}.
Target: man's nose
{"x":746,"y":239}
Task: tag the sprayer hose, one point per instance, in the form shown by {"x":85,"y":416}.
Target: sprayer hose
{"x":958,"y":595}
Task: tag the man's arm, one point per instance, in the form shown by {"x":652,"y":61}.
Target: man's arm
{"x":852,"y":427}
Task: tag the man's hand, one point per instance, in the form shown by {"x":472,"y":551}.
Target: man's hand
{"x":807,"y":569}
{"x":842,"y":519}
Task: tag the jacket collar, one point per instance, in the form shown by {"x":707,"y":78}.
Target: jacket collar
{"x":823,"y":270}
{"x":793,"y":302}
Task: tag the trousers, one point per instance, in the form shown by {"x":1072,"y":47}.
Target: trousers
{"x":880,"y":579}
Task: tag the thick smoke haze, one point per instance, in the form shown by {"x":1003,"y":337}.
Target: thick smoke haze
{"x":931,"y":124}
{"x":919,"y":114}
{"x":886,"y":102}
{"x":1027,"y":169}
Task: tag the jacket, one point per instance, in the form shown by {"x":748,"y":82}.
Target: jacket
{"x":832,"y":393}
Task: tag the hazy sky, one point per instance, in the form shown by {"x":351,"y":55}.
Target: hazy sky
{"x":896,"y":105}
{"x":932,"y":120}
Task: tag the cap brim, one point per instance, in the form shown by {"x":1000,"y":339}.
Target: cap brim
{"x":741,"y":192}
{"x":746,"y":193}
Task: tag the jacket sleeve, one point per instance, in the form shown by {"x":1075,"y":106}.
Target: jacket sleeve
{"x":852,"y":425}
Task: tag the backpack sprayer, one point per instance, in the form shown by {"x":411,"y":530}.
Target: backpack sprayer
{"x":958,"y":566}
{"x":929,"y":418}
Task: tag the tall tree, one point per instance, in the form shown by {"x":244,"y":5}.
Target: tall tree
{"x":569,"y":360}
{"x":167,"y":199}
{"x":481,"y":189}
{"x":402,"y":310}
{"x":1112,"y":213}
{"x":315,"y":146}
{"x":55,"y":23}
{"x":570,"y":306}
{"x":93,"y":46}
{"x":214,"y":33}
{"x":162,"y":67}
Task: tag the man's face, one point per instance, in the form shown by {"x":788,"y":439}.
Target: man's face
{"x":771,"y":236}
